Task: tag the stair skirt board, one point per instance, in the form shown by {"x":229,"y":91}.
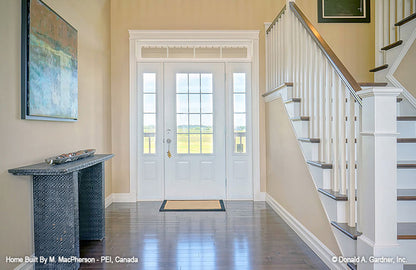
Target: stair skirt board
{"x":310,"y":239}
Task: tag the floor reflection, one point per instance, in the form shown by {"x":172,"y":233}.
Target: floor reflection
{"x":195,"y":253}
{"x":241,"y":253}
{"x":150,"y":257}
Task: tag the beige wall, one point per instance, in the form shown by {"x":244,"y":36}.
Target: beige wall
{"x":172,"y":15}
{"x":353,"y":43}
{"x":23,"y":142}
{"x":405,"y":73}
{"x":289,"y":181}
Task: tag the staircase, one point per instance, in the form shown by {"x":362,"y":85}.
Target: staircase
{"x":395,"y":33}
{"x":330,"y":114}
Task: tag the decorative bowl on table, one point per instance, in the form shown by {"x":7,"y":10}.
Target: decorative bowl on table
{"x":64,"y":158}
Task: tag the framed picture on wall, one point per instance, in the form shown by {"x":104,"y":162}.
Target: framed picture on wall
{"x":49,"y":67}
{"x":343,"y":11}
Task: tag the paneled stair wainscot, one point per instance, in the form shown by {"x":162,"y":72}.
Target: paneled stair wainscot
{"x":360,"y":150}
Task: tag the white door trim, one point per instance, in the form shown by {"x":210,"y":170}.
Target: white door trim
{"x":248,"y":39}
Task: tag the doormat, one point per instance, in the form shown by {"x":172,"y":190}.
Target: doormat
{"x":192,"y":205}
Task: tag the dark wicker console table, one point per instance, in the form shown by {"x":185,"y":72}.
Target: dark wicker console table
{"x":68,"y":203}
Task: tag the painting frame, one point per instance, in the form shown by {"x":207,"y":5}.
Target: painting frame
{"x":49,"y":89}
{"x":343,"y":17}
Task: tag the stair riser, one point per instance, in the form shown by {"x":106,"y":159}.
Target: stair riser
{"x":406,"y":30}
{"x":348,"y":245}
{"x":310,"y":150}
{"x":406,"y":151}
{"x":336,"y":210}
{"x":406,"y":211}
{"x":286,"y":92}
{"x":407,"y":249}
{"x":406,"y":129}
{"x":406,"y":178}
{"x":293,"y":109}
{"x":301,"y":128}
{"x":406,"y":108}
{"x":321,"y":177}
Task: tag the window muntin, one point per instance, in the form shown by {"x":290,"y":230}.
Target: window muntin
{"x":239,"y":112}
{"x":194,"y":113}
{"x":149,"y":113}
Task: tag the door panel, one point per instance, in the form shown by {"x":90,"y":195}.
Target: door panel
{"x":194,"y":131}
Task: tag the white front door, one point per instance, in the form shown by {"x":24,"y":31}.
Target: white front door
{"x":194,"y":130}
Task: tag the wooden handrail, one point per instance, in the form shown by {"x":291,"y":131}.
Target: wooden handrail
{"x":339,"y":67}
{"x":275,"y":19}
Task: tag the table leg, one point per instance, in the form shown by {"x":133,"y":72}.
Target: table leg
{"x":92,"y":203}
{"x":56,"y":230}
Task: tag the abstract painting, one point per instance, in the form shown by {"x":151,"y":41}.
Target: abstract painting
{"x":49,"y":64}
{"x":343,"y":11}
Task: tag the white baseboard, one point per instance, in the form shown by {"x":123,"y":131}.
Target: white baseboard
{"x":124,"y":197}
{"x":119,"y":197}
{"x":26,"y":265}
{"x":109,"y":200}
{"x":310,"y":239}
{"x":260,"y":197}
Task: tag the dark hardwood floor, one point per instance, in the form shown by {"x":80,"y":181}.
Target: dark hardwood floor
{"x":247,"y":236}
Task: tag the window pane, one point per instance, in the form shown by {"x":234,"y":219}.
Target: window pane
{"x":149,"y":123}
{"x":239,"y":81}
{"x":182,"y":123}
{"x":149,"y":103}
{"x":194,"y":103}
{"x":240,"y":122}
{"x":195,"y":143}
{"x":181,"y":83}
{"x":194,"y":123}
{"x":239,"y":102}
{"x":149,"y":82}
{"x":240,"y":142}
{"x":194,"y":83}
{"x":206,"y":103}
{"x":182,"y":143}
{"x":207,"y":143}
{"x":206,"y":83}
{"x":206,"y":123}
{"x":182,"y":103}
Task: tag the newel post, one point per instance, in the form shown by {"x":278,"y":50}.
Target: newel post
{"x":377,"y":180}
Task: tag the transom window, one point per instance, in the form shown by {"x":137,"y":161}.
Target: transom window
{"x":194,"y":113}
{"x":149,"y":113}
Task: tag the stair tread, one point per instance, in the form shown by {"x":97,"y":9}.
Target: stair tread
{"x":406,"y":118}
{"x":402,"y":194}
{"x":292,"y":100}
{"x":406,"y":20}
{"x":352,"y":266}
{"x":406,"y":140}
{"x":379,"y":68}
{"x":406,"y":164}
{"x":392,"y":45}
{"x":334,"y":195}
{"x":311,"y":140}
{"x":373,"y":84}
{"x":300,"y":118}
{"x":320,"y":164}
{"x":406,"y":194}
{"x":347,"y":230}
{"x":406,"y":230}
